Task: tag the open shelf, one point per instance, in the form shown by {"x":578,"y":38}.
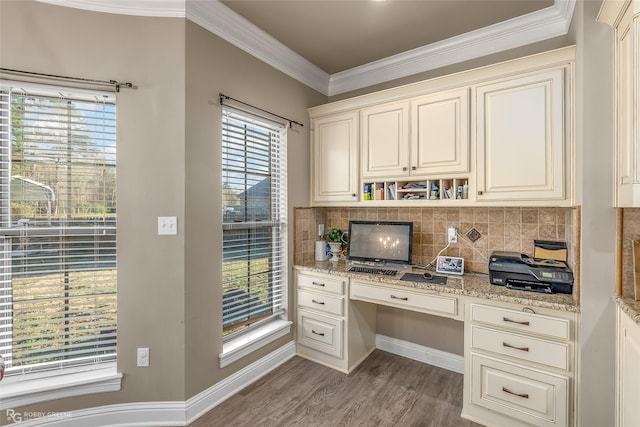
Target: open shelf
{"x":423,"y":189}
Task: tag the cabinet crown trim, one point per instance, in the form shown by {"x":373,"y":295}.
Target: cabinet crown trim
{"x":558,"y":57}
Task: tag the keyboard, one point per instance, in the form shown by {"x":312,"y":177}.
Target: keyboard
{"x":369,"y":270}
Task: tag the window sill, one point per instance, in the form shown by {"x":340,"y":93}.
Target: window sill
{"x":245,"y":344}
{"x":31,"y":388}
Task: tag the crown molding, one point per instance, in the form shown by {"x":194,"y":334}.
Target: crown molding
{"x":225,"y":23}
{"x":158,"y":8}
{"x":534,"y":27}
{"x":214,"y":16}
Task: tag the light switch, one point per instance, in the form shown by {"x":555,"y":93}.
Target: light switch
{"x":167,"y":225}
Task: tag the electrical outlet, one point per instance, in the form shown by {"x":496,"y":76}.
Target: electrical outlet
{"x":452,"y":235}
{"x":143,"y":357}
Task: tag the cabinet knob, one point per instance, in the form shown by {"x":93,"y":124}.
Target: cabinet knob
{"x":413,"y":168}
{"x":353,"y":194}
{"x":404,"y":169}
{"x":480,"y":193}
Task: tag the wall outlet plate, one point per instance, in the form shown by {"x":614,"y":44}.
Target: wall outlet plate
{"x":167,"y":225}
{"x":142,"y":357}
{"x":452,"y":235}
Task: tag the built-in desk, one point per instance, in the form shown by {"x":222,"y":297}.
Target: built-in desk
{"x":519,"y":347}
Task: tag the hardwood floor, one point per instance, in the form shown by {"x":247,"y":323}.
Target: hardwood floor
{"x":385,"y":390}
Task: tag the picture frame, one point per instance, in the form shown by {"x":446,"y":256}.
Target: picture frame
{"x":450,"y":265}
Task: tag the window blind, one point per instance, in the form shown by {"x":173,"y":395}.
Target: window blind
{"x":57,"y":228}
{"x":254,"y":278}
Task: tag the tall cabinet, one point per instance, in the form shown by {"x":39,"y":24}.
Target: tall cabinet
{"x":627,"y":371}
{"x":624,"y":18}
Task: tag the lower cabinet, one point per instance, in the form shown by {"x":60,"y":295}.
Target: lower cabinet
{"x":331,"y":330}
{"x":628,"y":372}
{"x":520,"y":361}
{"x":519,"y":366}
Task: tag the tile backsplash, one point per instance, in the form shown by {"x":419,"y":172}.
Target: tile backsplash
{"x":508,"y":229}
{"x":629,"y":230}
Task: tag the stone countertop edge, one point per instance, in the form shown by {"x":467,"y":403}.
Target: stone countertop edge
{"x":630,"y":306}
{"x":471,"y":285}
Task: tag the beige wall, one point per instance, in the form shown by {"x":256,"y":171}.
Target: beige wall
{"x":149,"y":52}
{"x":214,"y":66}
{"x":168,"y":165}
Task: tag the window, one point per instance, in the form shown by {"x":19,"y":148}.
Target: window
{"x":254,"y":188}
{"x":57,"y":229}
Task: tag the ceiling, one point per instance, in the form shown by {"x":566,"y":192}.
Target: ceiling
{"x":340,"y":35}
{"x":337,"y":46}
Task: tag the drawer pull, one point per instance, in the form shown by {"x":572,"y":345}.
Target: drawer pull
{"x":317,"y":302}
{"x":318,"y":284}
{"x":504,"y":344}
{"x":400,"y":298}
{"x":317,"y":333}
{"x":523,"y":395}
{"x":506,"y":319}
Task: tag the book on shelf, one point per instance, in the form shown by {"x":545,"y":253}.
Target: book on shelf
{"x":391,"y":192}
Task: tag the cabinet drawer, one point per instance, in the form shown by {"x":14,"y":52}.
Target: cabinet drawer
{"x":521,"y":321}
{"x":325,"y":303}
{"x":400,"y":298}
{"x":321,"y":283}
{"x":521,"y":346}
{"x":320,"y":332}
{"x":528,"y":395}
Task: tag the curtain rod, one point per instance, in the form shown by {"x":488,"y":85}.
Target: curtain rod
{"x":224,"y":97}
{"x":113,"y":83}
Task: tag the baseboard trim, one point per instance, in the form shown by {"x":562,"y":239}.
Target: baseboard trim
{"x":208,"y":399}
{"x":160,"y":414}
{"x":431,"y":356}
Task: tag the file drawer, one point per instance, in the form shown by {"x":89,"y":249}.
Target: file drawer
{"x":334,"y":285}
{"x":527,"y":395}
{"x":321,"y":302}
{"x":521,"y":346}
{"x":521,"y":321}
{"x":320,"y":332}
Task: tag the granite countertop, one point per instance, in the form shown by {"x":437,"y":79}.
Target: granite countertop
{"x":630,"y":306}
{"x":471,"y":285}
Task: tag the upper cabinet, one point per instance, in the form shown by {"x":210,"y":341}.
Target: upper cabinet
{"x":423,"y":136}
{"x":440,"y":133}
{"x":385,"y":140}
{"x":334,"y":158}
{"x":624,"y":17}
{"x":521,"y":139}
{"x":494,"y":136}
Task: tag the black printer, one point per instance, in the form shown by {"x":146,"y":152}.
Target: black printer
{"x":519,"y":271}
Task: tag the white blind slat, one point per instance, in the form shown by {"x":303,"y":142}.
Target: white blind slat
{"x":254,"y":219}
{"x":58,"y":279}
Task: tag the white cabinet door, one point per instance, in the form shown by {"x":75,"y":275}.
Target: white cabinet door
{"x":521,"y":138}
{"x":628,"y":371}
{"x":628,"y":111}
{"x":385,"y":140}
{"x":440,"y":133}
{"x":334,"y":164}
